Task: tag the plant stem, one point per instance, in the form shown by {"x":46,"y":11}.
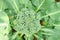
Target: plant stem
{"x":27,"y":37}
{"x":49,"y":14}
{"x":40,"y":5}
{"x":17,"y":9}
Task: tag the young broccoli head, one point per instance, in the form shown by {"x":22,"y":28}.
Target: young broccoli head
{"x":27,"y":22}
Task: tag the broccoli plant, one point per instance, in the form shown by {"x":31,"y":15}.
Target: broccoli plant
{"x":29,"y":19}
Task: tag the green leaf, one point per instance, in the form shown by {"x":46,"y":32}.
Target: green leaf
{"x":13,"y":5}
{"x":2,"y":5}
{"x":56,"y":35}
{"x":4,"y":26}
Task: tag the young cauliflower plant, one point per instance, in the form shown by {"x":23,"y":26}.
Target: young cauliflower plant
{"x":27,"y":23}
